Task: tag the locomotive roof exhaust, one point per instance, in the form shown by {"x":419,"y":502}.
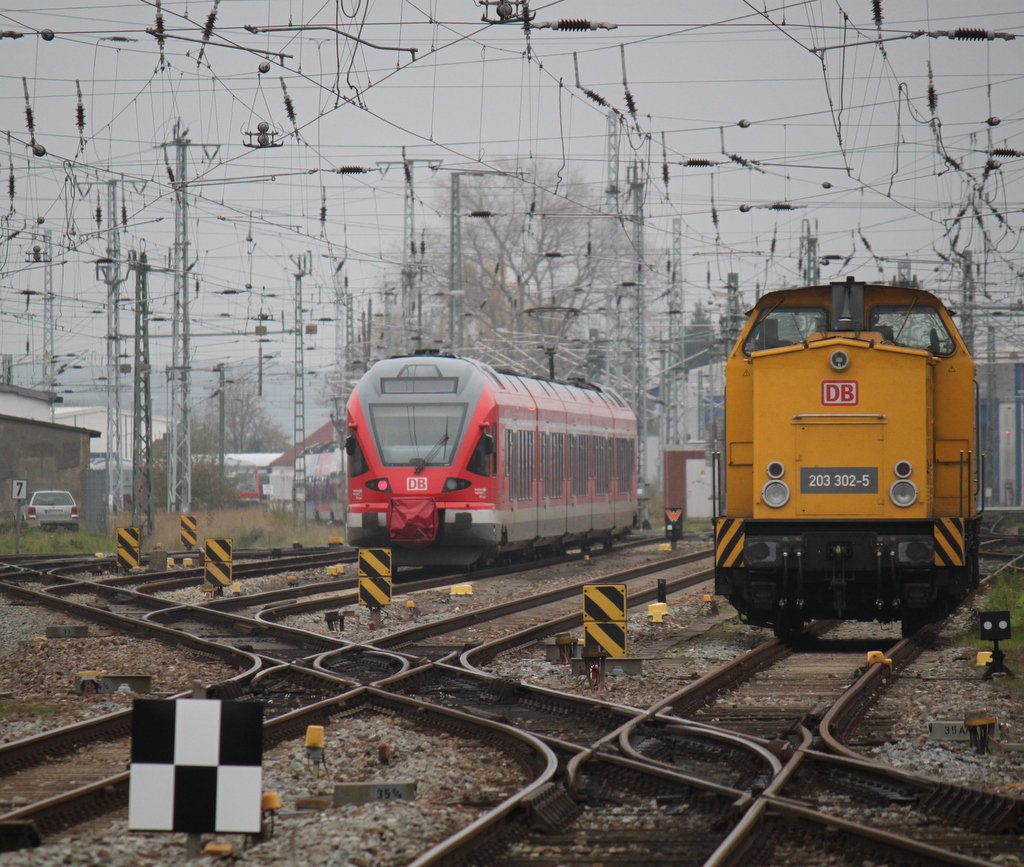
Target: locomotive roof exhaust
{"x":848,"y":306}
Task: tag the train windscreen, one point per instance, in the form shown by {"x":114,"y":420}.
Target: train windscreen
{"x":421,"y":434}
{"x":917,"y":326}
{"x":784,"y":326}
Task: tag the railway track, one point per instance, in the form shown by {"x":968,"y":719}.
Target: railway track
{"x":755,"y":785}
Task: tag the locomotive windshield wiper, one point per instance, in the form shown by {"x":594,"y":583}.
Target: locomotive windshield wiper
{"x":441,"y":443}
{"x":903,"y":324}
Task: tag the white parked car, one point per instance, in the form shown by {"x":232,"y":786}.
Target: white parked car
{"x":51,"y":509}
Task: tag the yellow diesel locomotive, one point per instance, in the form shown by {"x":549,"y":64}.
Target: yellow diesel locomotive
{"x":850,"y":463}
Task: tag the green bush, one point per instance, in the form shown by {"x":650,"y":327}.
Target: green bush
{"x":1006,"y":593}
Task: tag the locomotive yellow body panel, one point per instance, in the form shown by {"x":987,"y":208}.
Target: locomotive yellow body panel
{"x":849,"y":458}
{"x":839,"y":456}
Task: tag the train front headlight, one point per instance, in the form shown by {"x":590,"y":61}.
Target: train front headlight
{"x":455,"y":485}
{"x":775,"y":494}
{"x":381,"y":486}
{"x":903,"y":493}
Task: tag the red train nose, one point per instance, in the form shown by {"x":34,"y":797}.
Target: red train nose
{"x":412,"y":522}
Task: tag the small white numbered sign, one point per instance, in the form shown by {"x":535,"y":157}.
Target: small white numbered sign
{"x":19,"y":488}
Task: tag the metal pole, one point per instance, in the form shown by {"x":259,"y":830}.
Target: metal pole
{"x":637,"y":184}
{"x":221,"y":383}
{"x":142,"y":440}
{"x":49,"y":325}
{"x":110,"y":269}
{"x":967,"y":299}
{"x":455,"y":269}
{"x":179,"y":464}
{"x":303,"y":265}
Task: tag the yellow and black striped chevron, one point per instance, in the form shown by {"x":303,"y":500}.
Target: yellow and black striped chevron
{"x":129,"y":540}
{"x":949,"y":542}
{"x":729,"y":543}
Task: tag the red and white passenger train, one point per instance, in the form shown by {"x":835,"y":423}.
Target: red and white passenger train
{"x":452,"y":462}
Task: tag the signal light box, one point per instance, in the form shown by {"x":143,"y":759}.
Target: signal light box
{"x":994,"y":625}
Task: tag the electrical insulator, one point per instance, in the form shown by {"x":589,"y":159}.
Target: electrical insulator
{"x":993,"y":121}
{"x":265,"y":66}
{"x":37,"y":253}
{"x":974,"y":33}
{"x":743,"y":123}
{"x":826,"y":185}
{"x":505,"y":11}
{"x":351,"y":170}
{"x":263,"y":139}
{"x":47,"y":35}
{"x":38,"y":150}
{"x":263,"y":126}
{"x":744,"y":208}
{"x":572,"y":24}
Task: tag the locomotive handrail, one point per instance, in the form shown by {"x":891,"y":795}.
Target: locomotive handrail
{"x":879,"y":415}
{"x":960,"y":502}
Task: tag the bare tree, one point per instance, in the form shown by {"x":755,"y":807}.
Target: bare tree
{"x":535,"y":268}
{"x":247,"y":424}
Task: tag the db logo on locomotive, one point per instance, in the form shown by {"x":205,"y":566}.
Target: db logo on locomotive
{"x":839,"y":393}
{"x":416,"y":483}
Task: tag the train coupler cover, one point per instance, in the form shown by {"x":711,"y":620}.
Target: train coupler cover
{"x":413,"y":521}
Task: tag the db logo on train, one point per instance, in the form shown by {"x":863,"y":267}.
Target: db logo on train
{"x":842,"y":393}
{"x":416,"y":483}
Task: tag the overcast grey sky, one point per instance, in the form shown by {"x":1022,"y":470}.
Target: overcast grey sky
{"x":836,"y":124}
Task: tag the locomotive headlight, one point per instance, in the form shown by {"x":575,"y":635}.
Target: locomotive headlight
{"x":455,"y":485}
{"x":903,"y":493}
{"x":776,"y":470}
{"x":775,"y":494}
{"x":839,"y":360}
{"x":903,"y":469}
{"x":382,"y":486}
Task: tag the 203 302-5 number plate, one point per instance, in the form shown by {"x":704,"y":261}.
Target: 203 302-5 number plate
{"x":838,"y":480}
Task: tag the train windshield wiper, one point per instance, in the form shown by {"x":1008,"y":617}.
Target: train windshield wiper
{"x":440,"y":444}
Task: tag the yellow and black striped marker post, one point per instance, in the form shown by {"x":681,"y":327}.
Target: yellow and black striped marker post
{"x":188,"y":531}
{"x":374,"y":562}
{"x":218,"y":563}
{"x":129,"y":541}
{"x":729,"y":536}
{"x":374,"y":577}
{"x":604,"y":617}
{"x":949,"y":542}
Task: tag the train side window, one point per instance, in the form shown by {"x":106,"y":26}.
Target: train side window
{"x":784,"y":326}
{"x":357,"y":464}
{"x":916,"y":326}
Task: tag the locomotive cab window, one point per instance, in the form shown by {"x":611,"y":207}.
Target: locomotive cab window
{"x":915,"y":326}
{"x":784,"y":326}
{"x":357,"y":464}
{"x":480,"y":462}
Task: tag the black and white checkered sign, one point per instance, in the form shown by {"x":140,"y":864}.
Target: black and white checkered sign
{"x":197,"y":766}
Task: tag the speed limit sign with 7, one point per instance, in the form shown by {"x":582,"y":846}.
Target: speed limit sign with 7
{"x":19,"y":488}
